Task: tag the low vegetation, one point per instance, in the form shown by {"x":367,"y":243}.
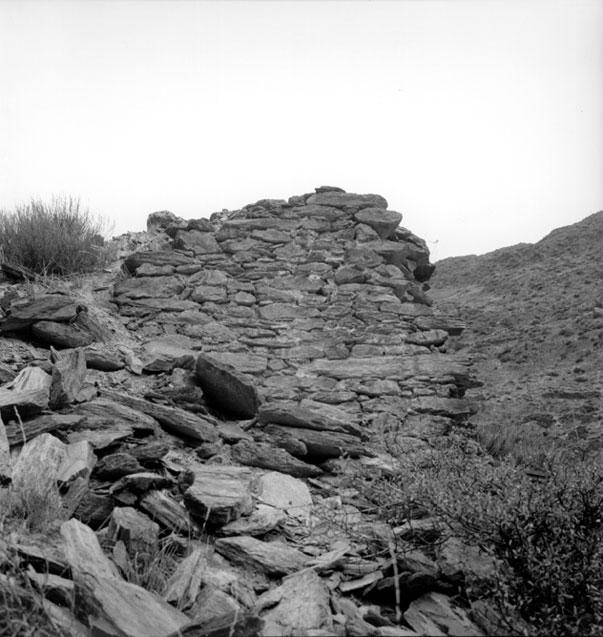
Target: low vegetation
{"x":56,"y":238}
{"x":27,"y":515}
{"x":545,"y":532}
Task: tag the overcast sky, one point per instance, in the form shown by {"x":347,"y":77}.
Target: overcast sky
{"x":480,"y":121}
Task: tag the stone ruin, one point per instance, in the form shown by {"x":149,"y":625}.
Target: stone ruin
{"x":216,"y":388}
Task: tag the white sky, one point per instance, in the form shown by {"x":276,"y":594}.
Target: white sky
{"x":481,"y":121}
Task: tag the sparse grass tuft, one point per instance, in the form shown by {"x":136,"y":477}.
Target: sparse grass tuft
{"x":34,"y":510}
{"x":21,"y":611}
{"x":56,"y":238}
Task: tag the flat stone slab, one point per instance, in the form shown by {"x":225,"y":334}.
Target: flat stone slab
{"x":383,"y":222}
{"x":173,"y":419}
{"x":148,"y":287}
{"x":439,"y":367}
{"x":262,"y":520}
{"x":299,"y":605}
{"x":293,"y":414}
{"x":220,"y":494}
{"x":434,"y":614}
{"x":165,"y":353}
{"x":157,"y":258}
{"x":270,"y":558}
{"x":29,"y":392}
{"x":50,"y":307}
{"x":287,"y":494}
{"x":265,"y":456}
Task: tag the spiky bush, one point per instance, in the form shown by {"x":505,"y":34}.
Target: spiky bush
{"x":56,"y":238}
{"x":546,"y":533}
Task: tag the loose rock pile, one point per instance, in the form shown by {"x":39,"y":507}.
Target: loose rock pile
{"x":263,"y":355}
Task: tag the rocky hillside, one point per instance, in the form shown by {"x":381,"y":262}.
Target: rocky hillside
{"x":535,"y":328}
{"x":213,"y":392}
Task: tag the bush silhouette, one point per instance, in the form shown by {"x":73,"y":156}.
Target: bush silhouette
{"x":56,"y":238}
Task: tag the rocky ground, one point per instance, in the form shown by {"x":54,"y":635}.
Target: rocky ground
{"x":214,"y":391}
{"x":534,"y":315}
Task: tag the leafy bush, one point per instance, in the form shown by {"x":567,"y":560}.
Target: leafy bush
{"x":59,"y":238}
{"x":547,"y":533}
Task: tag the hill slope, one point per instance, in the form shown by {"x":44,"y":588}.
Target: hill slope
{"x":535,"y":328}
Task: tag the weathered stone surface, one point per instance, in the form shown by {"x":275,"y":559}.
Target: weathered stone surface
{"x":173,"y":419}
{"x":454,"y":408}
{"x":5,"y":463}
{"x":78,"y":462}
{"x":37,"y":466}
{"x":271,"y":558}
{"x":28,"y":392}
{"x":169,"y":513}
{"x":428,"y":337}
{"x":68,"y":376}
{"x":347,"y":201}
{"x":213,"y":604}
{"x":449,"y":324}
{"x":287,"y":494}
{"x":383,"y":222}
{"x":142,"y":307}
{"x":300,"y":604}
{"x":83,"y":552}
{"x":227,"y":387}
{"x":196,"y":241}
{"x":439,"y":367}
{"x":117,"y":465}
{"x":62,"y":335}
{"x":291,"y":414}
{"x":123,"y":608}
{"x":64,"y":619}
{"x":49,"y":307}
{"x":139,"y":483}
{"x":262,"y":520}
{"x":399,"y":253}
{"x":165,"y":353}
{"x":265,"y":456}
{"x":459,"y":560}
{"x":233,"y":624}
{"x":209,"y":294}
{"x":149,"y":453}
{"x":139,"y":533}
{"x":149,"y":287}
{"x":104,"y":360}
{"x":157,"y":258}
{"x":241,"y":361}
{"x":186,"y":581}
{"x":320,"y":445}
{"x":160,"y":220}
{"x":219,"y":493}
{"x":433,"y":614}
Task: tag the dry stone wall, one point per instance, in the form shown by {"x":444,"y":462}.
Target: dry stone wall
{"x":211,"y":399}
{"x":320,"y":301}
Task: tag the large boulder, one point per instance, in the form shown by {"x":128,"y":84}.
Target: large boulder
{"x":227,"y":388}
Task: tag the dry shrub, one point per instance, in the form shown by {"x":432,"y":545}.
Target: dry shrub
{"x":56,"y":238}
{"x":547,"y":533}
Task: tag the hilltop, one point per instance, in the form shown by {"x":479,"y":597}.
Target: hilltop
{"x":535,"y":331}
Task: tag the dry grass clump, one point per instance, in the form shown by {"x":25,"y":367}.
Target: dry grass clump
{"x":56,"y":238}
{"x":24,"y":514}
{"x":22,"y":612}
{"x":546,"y":533}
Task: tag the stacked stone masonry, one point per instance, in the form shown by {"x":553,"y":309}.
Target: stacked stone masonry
{"x":319,"y":300}
{"x":241,"y":366}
